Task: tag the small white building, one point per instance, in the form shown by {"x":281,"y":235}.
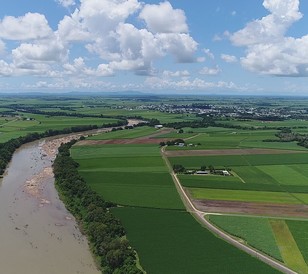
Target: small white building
{"x":158,"y":126}
{"x":225,"y":173}
{"x":202,"y":172}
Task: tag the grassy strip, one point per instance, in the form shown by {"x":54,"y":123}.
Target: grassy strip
{"x":288,"y":247}
{"x":104,"y":231}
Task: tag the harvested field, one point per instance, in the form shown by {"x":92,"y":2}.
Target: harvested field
{"x":264,"y":209}
{"x":213,"y":152}
{"x":149,"y":139}
{"x":144,"y":140}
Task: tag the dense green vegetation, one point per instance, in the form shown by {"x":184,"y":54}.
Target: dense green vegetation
{"x":257,"y":232}
{"x":118,"y":171}
{"x":134,"y":176}
{"x":173,"y":242}
{"x":299,"y":230}
{"x":245,"y":195}
{"x":104,"y":231}
{"x":241,"y":160}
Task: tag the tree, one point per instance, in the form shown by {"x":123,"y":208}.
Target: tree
{"x":203,"y":168}
{"x":178,"y":168}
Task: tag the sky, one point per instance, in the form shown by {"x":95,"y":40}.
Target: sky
{"x":236,"y":47}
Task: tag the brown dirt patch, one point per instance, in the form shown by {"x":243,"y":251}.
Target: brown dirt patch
{"x":264,"y":209}
{"x":212,"y":152}
{"x":150,"y":139}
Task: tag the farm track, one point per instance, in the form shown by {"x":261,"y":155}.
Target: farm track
{"x":200,"y":216}
{"x":213,"y":152}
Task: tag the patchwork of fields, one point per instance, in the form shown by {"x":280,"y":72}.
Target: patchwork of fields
{"x":264,"y":185}
{"x":136,"y":177}
{"x":15,"y":127}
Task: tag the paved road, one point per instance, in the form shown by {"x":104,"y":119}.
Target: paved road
{"x":199,"y":215}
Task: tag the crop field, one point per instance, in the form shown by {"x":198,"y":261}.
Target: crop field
{"x":130,"y":175}
{"x":125,"y":134}
{"x":193,"y":248}
{"x":258,"y":124}
{"x":241,"y":160}
{"x":289,"y":250}
{"x":224,"y":138}
{"x":257,"y":232}
{"x":16,"y":127}
{"x":245,"y":196}
{"x":299,"y":230}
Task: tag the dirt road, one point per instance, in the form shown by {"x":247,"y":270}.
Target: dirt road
{"x":200,"y":216}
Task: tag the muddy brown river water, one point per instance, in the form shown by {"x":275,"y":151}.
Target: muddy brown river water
{"x":37,"y":234}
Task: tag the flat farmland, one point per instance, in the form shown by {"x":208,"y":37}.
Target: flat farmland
{"x":241,"y":160}
{"x":224,"y":138}
{"x":255,"y":231}
{"x":129,"y":175}
{"x":193,"y":248}
{"x":244,"y":196}
{"x":124,"y":134}
{"x":16,"y":127}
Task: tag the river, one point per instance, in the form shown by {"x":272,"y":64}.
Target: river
{"x":37,"y":234}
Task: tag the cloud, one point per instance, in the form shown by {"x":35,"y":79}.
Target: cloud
{"x":268,"y":49}
{"x":102,"y":28}
{"x":228,"y":58}
{"x":162,"y":18}
{"x":2,"y":47}
{"x":208,"y":53}
{"x":178,"y":73}
{"x":210,"y":71}
{"x":123,"y":46}
{"x":66,"y":3}
{"x":5,"y":69}
{"x":188,"y":84}
{"x":27,"y":27}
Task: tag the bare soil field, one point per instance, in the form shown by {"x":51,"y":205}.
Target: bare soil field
{"x":264,"y":209}
{"x":150,"y":139}
{"x":213,"y":152}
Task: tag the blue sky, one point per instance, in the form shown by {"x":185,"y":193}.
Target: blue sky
{"x":188,"y":47}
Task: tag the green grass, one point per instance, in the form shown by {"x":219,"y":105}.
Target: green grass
{"x":299,"y":230}
{"x":133,"y":175}
{"x":88,"y":152}
{"x":122,"y":163}
{"x":245,"y":196}
{"x":232,"y":183}
{"x":173,"y":242}
{"x":285,"y":175}
{"x":202,"y":181}
{"x":254,"y":175}
{"x":256,"y":232}
{"x":240,"y":160}
{"x":145,"y":189}
{"x":18,"y":127}
{"x":288,"y":247}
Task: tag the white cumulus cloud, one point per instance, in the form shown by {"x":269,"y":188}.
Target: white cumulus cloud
{"x":29,"y":26}
{"x":210,"y":71}
{"x":228,"y":58}
{"x":162,"y":18}
{"x":66,"y":3}
{"x":268,"y":49}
